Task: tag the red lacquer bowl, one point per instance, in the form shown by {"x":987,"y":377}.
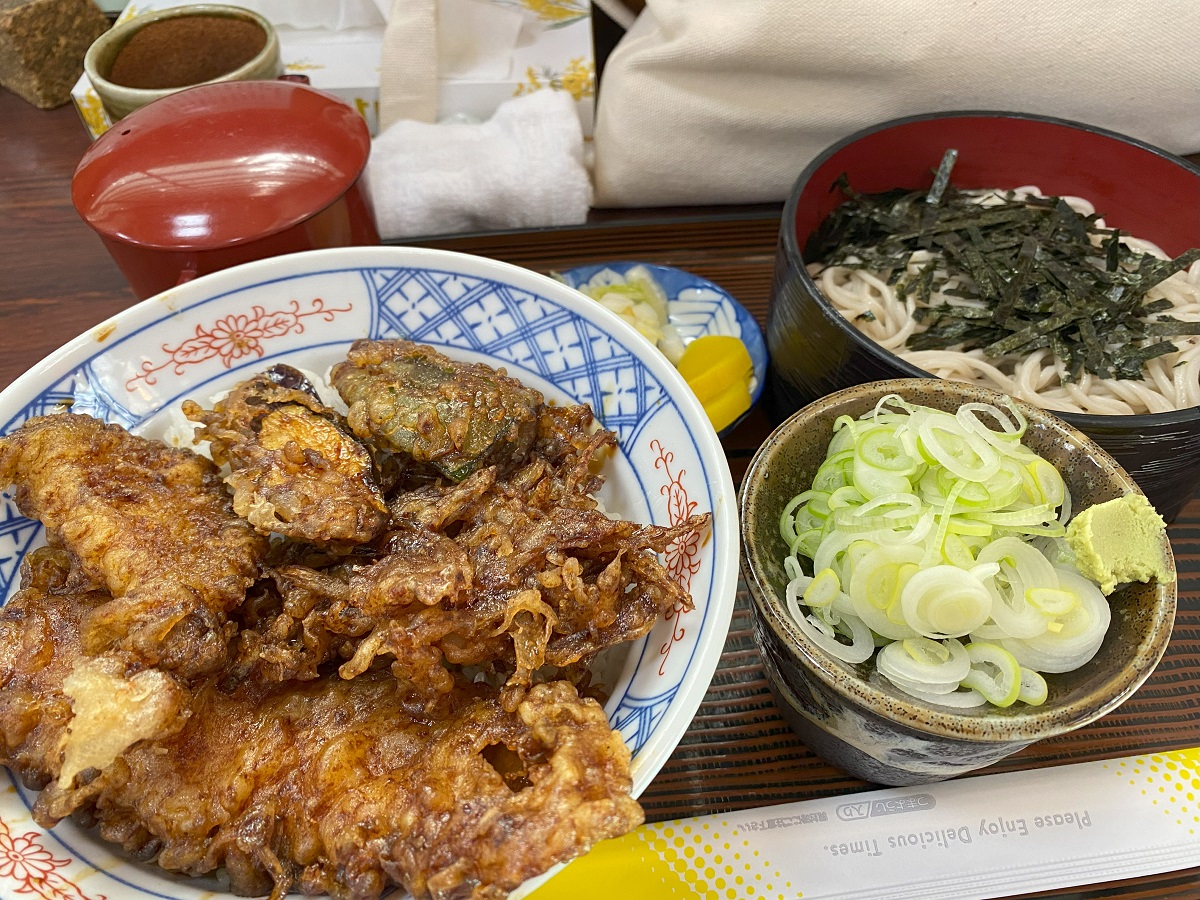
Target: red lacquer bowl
{"x":222,"y":174}
{"x":814,"y":350}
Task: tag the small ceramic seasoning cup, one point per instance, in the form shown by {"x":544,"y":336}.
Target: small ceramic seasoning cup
{"x":158,"y":53}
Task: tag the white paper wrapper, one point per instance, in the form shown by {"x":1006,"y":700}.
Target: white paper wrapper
{"x":970,"y":839}
{"x":476,"y":39}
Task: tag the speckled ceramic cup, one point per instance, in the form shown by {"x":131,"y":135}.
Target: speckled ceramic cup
{"x":856,"y":720}
{"x":120,"y":100}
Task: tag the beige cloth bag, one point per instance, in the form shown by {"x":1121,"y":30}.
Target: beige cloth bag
{"x":726,"y":101}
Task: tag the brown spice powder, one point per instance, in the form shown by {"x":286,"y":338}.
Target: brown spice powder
{"x":186,"y":50}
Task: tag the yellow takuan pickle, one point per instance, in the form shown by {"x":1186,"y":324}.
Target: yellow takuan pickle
{"x":718,"y":369}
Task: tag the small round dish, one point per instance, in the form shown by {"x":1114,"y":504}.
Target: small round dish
{"x":120,"y":100}
{"x":695,"y":306}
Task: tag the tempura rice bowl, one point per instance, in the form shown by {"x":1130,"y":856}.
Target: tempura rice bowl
{"x":205,"y":336}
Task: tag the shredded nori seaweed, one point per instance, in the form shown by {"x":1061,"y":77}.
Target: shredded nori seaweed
{"x":1033,"y":273}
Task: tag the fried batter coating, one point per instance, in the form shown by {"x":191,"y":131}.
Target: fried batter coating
{"x":150,"y":524}
{"x":296,"y":469}
{"x":322,"y":713}
{"x":520,"y":586}
{"x":507,"y":574}
{"x":457,"y":417}
{"x":330,"y":785}
{"x":39,"y":640}
{"x":65,"y":717}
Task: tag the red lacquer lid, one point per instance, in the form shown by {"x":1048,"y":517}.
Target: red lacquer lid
{"x":220,"y":164}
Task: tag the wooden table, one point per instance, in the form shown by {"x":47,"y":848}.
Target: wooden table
{"x":56,"y":281}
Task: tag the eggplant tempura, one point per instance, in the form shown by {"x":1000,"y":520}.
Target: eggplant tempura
{"x":390,"y":689}
{"x":455,"y":417}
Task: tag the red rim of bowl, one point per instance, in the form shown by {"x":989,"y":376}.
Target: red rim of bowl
{"x":1084,"y":421}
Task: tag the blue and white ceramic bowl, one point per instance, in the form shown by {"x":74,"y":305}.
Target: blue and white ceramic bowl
{"x":695,"y":306}
{"x":305,"y":310}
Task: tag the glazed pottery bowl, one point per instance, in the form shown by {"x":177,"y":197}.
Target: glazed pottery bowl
{"x":1138,"y":188}
{"x":848,"y":714}
{"x":305,"y":309}
{"x":165,"y":55}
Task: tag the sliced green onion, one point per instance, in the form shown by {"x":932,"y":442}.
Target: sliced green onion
{"x":876,"y":585}
{"x":1041,"y":514}
{"x":966,"y":527}
{"x":1076,"y":642}
{"x":807,"y":543}
{"x":1051,"y":489}
{"x":846,"y":496}
{"x":956,"y":552}
{"x":945,"y":601}
{"x":1022,"y":568}
{"x":882,"y":408}
{"x":1034,"y":689}
{"x":970,"y":458}
{"x":791,"y":567}
{"x":824,"y":634}
{"x":924,"y":663}
{"x":1051,"y":601}
{"x":832,"y":547}
{"x":880,"y":448}
{"x":823,"y":589}
{"x":933,"y":549}
{"x":1011,"y":429}
{"x":835,"y":472}
{"x":958,"y":699}
{"x":924,"y":527}
{"x":995,"y":673}
{"x":919,"y":687}
{"x":874,"y":482}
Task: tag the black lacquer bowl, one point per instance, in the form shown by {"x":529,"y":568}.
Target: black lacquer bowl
{"x":1143,"y":190}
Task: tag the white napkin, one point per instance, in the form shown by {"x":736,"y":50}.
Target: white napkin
{"x":523,"y":168}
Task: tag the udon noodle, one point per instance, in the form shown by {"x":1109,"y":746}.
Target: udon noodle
{"x":1169,"y":382}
